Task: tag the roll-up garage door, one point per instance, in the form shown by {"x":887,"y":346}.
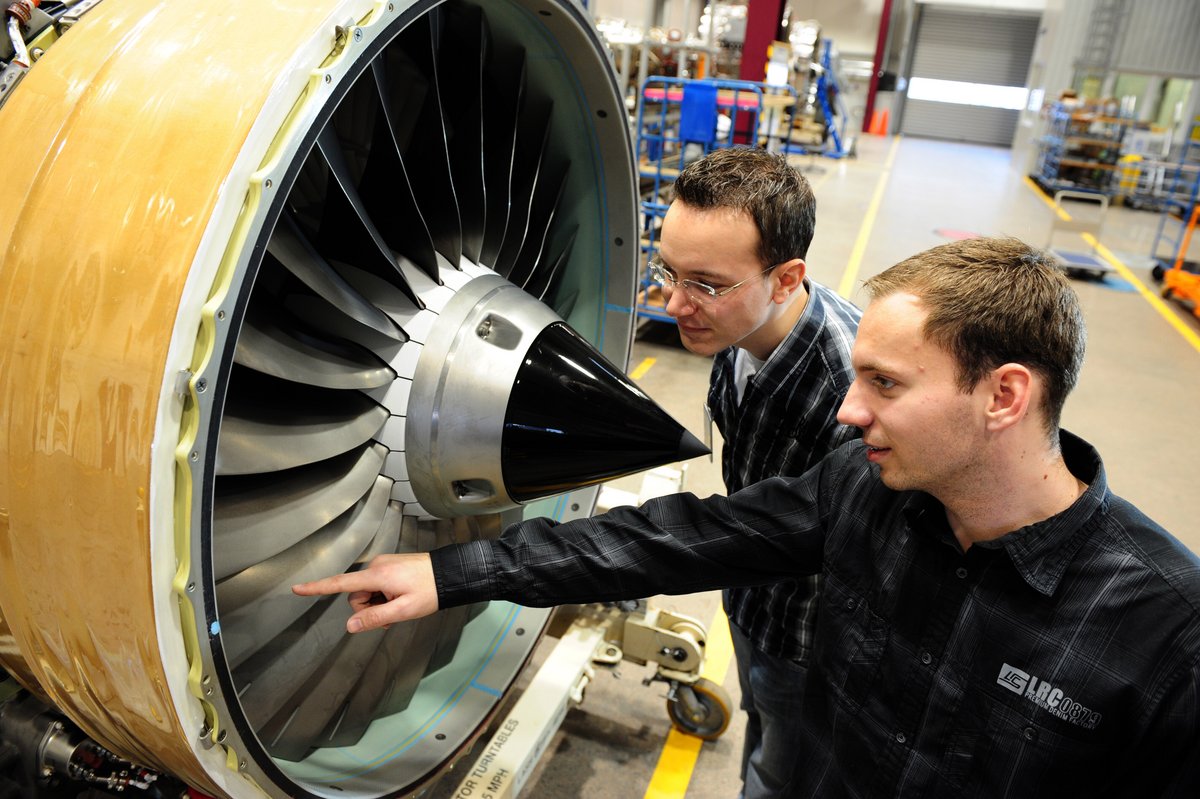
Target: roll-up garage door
{"x":968,"y":74}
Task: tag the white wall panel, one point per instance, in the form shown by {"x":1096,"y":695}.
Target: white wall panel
{"x":1161,"y":37}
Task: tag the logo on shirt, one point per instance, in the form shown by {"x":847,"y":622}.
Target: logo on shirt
{"x":1048,"y":697}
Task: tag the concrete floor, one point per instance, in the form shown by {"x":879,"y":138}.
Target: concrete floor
{"x":900,"y":196}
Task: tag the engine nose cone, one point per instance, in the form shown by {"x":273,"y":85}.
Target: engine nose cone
{"x":509,"y":404}
{"x":574,"y":419}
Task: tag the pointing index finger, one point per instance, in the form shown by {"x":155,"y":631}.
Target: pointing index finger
{"x":337,"y":584}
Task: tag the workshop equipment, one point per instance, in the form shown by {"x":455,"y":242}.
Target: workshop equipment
{"x":1087,"y":221}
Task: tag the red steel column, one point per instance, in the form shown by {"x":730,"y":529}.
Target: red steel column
{"x":764,"y":18}
{"x":885,"y":19}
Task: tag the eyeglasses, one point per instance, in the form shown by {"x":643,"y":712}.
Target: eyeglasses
{"x":696,"y":291}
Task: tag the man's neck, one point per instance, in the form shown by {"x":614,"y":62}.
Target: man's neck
{"x":768,"y":338}
{"x":1032,"y":487}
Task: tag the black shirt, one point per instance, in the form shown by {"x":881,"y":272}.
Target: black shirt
{"x":1062,"y":659}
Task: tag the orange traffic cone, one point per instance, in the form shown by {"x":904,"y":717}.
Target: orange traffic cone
{"x":879,"y":122}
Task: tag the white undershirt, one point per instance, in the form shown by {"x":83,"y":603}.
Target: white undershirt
{"x":745,"y":366}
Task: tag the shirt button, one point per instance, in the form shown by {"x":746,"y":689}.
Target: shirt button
{"x":961,"y":572}
{"x":926,"y":658}
{"x":901,"y":738}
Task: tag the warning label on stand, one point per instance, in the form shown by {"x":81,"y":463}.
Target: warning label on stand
{"x":489,"y":778}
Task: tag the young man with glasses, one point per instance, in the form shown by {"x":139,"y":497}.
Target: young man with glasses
{"x":731,"y":264}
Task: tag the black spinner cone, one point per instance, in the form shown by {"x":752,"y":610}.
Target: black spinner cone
{"x":574,"y":419}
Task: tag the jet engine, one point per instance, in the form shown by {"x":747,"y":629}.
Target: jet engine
{"x":286,"y":285}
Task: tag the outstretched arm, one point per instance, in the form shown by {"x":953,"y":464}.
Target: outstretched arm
{"x":390,"y":589}
{"x":675,"y":544}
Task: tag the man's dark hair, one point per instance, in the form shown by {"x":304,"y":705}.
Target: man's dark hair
{"x":775,"y":195}
{"x":993,"y":301}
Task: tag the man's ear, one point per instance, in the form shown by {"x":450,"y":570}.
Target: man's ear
{"x":1011,"y":395}
{"x":788,"y":276}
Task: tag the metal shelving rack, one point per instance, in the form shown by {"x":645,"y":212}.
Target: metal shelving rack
{"x":1080,"y":151}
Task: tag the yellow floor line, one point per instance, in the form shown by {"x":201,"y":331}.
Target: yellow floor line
{"x":678,"y":757}
{"x":849,"y":277}
{"x":1124,"y":271}
{"x":642,"y":368}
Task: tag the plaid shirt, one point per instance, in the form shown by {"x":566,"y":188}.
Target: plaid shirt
{"x":786,"y":422}
{"x":1062,"y":659}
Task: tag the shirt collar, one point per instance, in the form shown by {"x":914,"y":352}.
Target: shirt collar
{"x":1042,"y":551}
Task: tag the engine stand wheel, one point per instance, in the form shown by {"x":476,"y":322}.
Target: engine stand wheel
{"x":701,"y":709}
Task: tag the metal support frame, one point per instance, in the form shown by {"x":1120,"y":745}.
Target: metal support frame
{"x":597,"y":635}
{"x":509,"y":757}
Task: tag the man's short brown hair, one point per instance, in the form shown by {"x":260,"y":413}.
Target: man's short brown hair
{"x":764,"y":185}
{"x":993,"y":301}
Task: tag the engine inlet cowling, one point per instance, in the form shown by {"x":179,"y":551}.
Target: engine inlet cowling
{"x":340,"y":279}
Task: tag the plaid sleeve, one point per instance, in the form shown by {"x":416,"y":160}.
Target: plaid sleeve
{"x":671,"y":545}
{"x":462,"y":573}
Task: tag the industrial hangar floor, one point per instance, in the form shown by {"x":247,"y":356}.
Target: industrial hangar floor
{"x":897,"y":197}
